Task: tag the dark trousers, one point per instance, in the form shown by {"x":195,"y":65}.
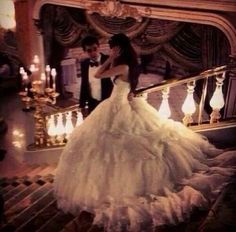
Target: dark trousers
{"x":92,"y":104}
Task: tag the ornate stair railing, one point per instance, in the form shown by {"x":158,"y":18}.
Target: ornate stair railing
{"x":61,"y":123}
{"x":217,"y":101}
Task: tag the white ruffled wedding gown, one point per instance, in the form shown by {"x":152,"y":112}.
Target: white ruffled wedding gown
{"x":129,"y":167}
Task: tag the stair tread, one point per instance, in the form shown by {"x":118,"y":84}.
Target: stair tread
{"x":10,"y":194}
{"x":40,"y":219}
{"x":57,"y":222}
{"x":81,"y":223}
{"x":21,"y":195}
{"x":29,"y":199}
{"x":32,"y":211}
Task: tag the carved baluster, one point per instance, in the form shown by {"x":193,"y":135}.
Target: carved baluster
{"x":217,"y":100}
{"x":52,"y":129}
{"x":79,"y":119}
{"x":164,"y":109}
{"x":69,"y":125}
{"x":60,"y":129}
{"x":188,"y":106}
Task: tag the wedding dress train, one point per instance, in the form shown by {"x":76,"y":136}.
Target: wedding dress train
{"x":129,"y":166}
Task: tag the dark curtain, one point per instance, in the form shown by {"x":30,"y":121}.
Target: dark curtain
{"x":215,"y":52}
{"x":54,"y":51}
{"x":192,"y":47}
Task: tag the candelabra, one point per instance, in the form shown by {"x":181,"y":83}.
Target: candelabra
{"x":39,"y":95}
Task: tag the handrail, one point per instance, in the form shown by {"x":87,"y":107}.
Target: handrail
{"x":63,"y":110}
{"x":182,"y":80}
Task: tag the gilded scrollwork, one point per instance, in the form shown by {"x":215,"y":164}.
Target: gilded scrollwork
{"x":114,"y":8}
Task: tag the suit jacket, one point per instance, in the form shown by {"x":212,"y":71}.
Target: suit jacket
{"x":85,"y":91}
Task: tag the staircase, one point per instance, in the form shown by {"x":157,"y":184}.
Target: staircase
{"x":30,"y":206}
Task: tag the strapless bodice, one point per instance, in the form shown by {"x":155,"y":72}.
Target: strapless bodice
{"x":120,"y":90}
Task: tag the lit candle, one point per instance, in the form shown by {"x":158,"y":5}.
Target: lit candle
{"x":25,"y":81}
{"x":36,"y":62}
{"x":43,"y":79}
{"x":22,"y":71}
{"x":54,"y":73}
{"x":48,"y":69}
{"x":32,"y":68}
{"x":36,"y":59}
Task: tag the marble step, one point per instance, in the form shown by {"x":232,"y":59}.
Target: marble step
{"x":18,"y":185}
{"x":30,"y":171}
{"x":57,"y":222}
{"x":47,"y":170}
{"x":21,"y":195}
{"x":8,"y":188}
{"x":15,"y":181}
{"x":13,"y":192}
{"x":35,"y":171}
{"x":81,"y":223}
{"x":10,"y":181}
{"x":27,"y":201}
{"x":37,"y":221}
{"x":23,"y":172}
{"x":29,"y":214}
{"x":222,"y":215}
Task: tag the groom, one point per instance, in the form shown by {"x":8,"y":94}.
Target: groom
{"x":92,"y":90}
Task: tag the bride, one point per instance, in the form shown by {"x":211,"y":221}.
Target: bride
{"x":128,"y":166}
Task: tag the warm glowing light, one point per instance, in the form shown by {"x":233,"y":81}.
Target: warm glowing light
{"x":51,"y":126}
{"x":48,"y":69}
{"x":217,"y":100}
{"x":53,"y":73}
{"x":21,"y":71}
{"x":164,"y":109}
{"x":17,"y":133}
{"x":36,"y":59}
{"x":7,"y":14}
{"x":43,"y":77}
{"x":60,"y":129}
{"x":17,"y":144}
{"x":188,"y":106}
{"x":79,"y":120}
{"x":32,"y":68}
{"x":69,"y":125}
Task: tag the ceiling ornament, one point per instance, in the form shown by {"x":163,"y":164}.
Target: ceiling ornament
{"x":113,"y":8}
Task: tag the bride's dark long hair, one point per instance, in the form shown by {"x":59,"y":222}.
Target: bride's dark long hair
{"x":127,"y":56}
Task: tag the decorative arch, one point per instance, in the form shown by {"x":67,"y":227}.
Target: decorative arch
{"x":189,"y":15}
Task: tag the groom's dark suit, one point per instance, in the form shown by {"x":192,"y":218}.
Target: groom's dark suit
{"x":85,"y":89}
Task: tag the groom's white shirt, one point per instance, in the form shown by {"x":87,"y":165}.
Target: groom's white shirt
{"x":95,"y":83}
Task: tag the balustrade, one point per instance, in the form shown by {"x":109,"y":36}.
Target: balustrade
{"x":60,"y":124}
{"x":189,"y":107}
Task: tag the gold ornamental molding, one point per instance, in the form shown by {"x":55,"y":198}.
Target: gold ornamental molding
{"x":114,"y":8}
{"x":216,"y":5}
